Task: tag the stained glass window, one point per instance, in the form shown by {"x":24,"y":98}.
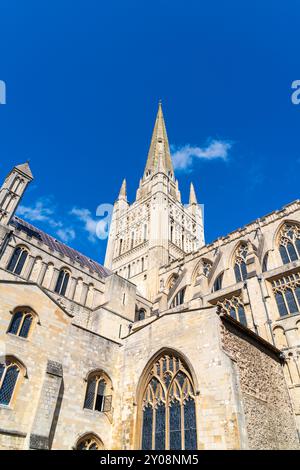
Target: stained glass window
{"x":21,"y":323}
{"x":289,"y":243}
{"x":168,"y":407}
{"x":98,"y":393}
{"x":9,"y":373}
{"x":17,"y":260}
{"x":287,"y":294}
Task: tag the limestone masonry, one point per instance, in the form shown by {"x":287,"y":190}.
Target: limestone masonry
{"x":172,"y":344}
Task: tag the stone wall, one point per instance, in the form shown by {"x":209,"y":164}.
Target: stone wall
{"x":267,"y":407}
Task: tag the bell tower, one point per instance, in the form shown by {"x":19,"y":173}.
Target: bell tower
{"x":157,"y":228}
{"x":12,"y":191}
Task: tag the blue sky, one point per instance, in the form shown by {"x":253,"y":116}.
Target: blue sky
{"x":83,"y":81}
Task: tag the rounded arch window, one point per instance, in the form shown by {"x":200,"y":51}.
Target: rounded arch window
{"x":289,"y":242}
{"x":98,"y":396}
{"x":18,"y":260}
{"x":10,"y":371}
{"x":21,"y":322}
{"x":168,"y":406}
{"x":89,"y":442}
{"x":140,"y":314}
{"x":62,"y":282}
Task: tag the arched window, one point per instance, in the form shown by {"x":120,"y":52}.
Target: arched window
{"x":287,"y":294}
{"x":218,"y":283}
{"x":289,"y":242}
{"x":62,"y":282}
{"x":235,"y":308}
{"x":240,"y":268}
{"x":265,"y":263}
{"x":89,"y":442}
{"x":178,"y":299}
{"x":21,"y":323}
{"x":141,"y":314}
{"x":98,"y":395}
{"x":17,"y":260}
{"x":9,"y":373}
{"x":168,"y":407}
{"x":280,"y":338}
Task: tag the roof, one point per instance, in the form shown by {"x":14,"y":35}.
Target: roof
{"x":25,"y":168}
{"x":59,"y":247}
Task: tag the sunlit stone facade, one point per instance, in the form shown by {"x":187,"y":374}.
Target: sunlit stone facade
{"x":172,"y":344}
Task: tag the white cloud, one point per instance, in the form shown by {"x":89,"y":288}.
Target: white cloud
{"x":95,"y":228}
{"x":184,"y":157}
{"x":66,"y":234}
{"x":42,"y":211}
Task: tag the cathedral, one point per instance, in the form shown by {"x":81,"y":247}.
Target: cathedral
{"x":172,"y":344}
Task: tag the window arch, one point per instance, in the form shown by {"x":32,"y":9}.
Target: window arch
{"x":218,"y":283}
{"x":287,"y":294}
{"x":89,"y":442}
{"x":62,"y":282}
{"x":17,"y":260}
{"x":179,"y":298}
{"x":98,"y":396}
{"x":240,"y":269}
{"x":280,"y":338}
{"x":289,"y":242}
{"x":168,"y":406}
{"x":21,"y":322}
{"x":140,"y":314}
{"x":10,"y":371}
{"x":265,"y":263}
{"x":234,"y":307}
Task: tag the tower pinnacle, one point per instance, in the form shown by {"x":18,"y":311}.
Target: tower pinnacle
{"x":159,"y":147}
{"x":193,"y":198}
{"x":123,"y":192}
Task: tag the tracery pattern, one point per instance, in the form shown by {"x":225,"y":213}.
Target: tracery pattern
{"x":168,"y":407}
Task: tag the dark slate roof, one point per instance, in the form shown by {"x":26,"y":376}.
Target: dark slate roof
{"x":59,"y":247}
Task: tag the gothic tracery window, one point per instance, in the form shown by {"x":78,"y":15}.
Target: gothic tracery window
{"x":168,"y":407}
{"x":89,"y":442}
{"x":9,"y":373}
{"x":287,"y":294}
{"x":289,"y":243}
{"x":235,"y":308}
{"x":17,"y":260}
{"x":21,"y":323}
{"x":240,"y":269}
{"x":98,"y":395}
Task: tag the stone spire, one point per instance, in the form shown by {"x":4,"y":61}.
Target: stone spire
{"x":123,"y":192}
{"x":193,"y":199}
{"x":159,"y":152}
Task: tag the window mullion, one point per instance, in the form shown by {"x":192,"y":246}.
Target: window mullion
{"x":182,"y":424}
{"x":285,"y":301}
{"x":95,"y":395}
{"x":21,"y":324}
{"x":3,"y":376}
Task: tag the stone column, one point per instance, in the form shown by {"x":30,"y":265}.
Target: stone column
{"x":42,"y":273}
{"x":54,"y":279}
{"x":29,"y":266}
{"x":41,"y":429}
